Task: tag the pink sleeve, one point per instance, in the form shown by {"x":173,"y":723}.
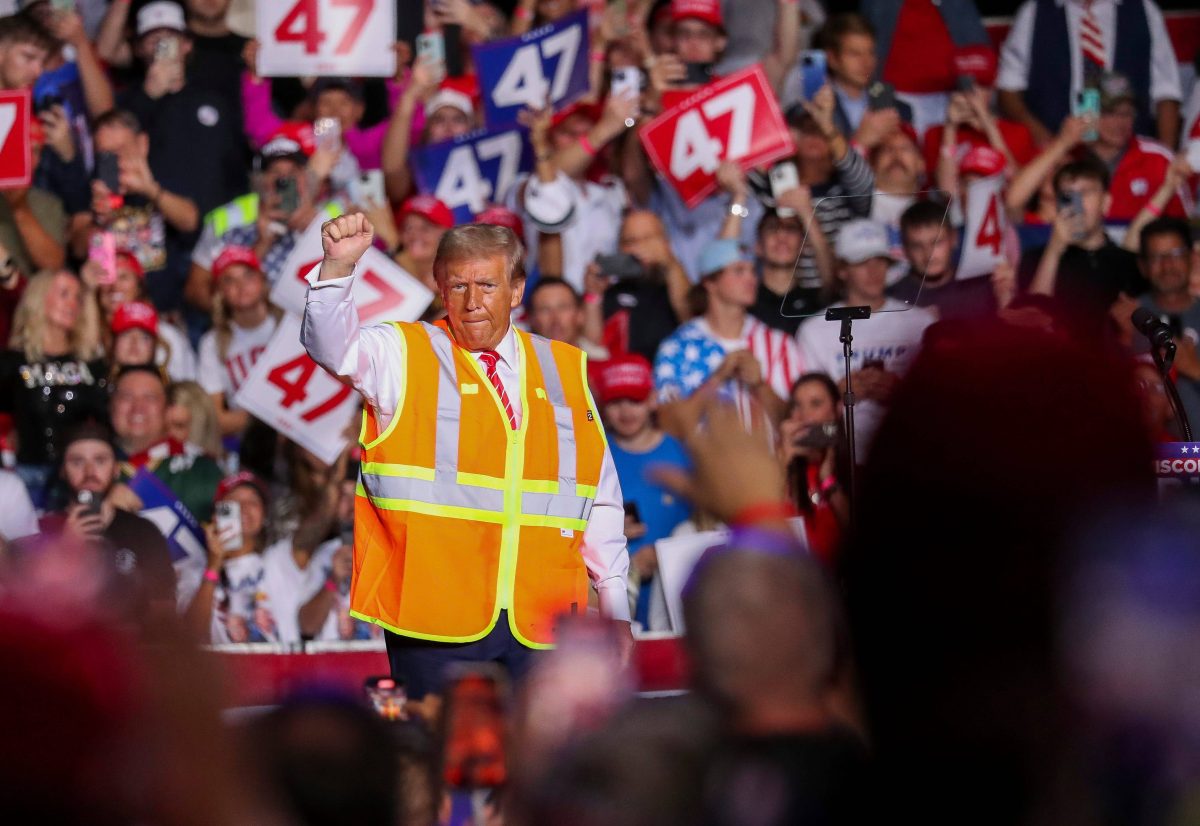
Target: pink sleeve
{"x":260,"y":121}
{"x":367,"y":144}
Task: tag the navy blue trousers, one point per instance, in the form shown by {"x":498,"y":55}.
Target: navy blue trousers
{"x":421,"y":665}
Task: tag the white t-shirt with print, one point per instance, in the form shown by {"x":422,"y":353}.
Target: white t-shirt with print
{"x":891,"y":335}
{"x":289,"y":587}
{"x":226,"y":375}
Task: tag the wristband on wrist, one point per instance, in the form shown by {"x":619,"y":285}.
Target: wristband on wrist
{"x":1152,"y":209}
{"x":591,"y":298}
{"x":586,"y":146}
{"x":522,"y":13}
{"x":331,"y":586}
{"x":211,"y":576}
{"x":599,"y":56}
{"x":764,"y":512}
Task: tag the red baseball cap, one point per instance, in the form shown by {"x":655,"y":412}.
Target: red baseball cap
{"x":293,"y":140}
{"x":502,"y":217}
{"x":242,"y":477}
{"x":135,"y":315}
{"x":429,"y":208}
{"x":982,"y":160}
{"x":626,"y":377}
{"x":706,"y":11}
{"x":977,"y":63}
{"x":235,"y":255}
{"x":126,"y":256}
{"x":591,"y":111}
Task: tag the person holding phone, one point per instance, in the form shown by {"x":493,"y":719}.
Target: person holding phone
{"x":510,"y":503}
{"x":866,"y":110}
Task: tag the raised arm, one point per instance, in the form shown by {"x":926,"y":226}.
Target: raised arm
{"x":786,"y":48}
{"x":1026,"y":183}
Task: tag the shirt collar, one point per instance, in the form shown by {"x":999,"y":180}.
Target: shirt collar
{"x":507,"y":348}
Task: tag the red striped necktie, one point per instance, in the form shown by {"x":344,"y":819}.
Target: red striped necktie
{"x":1091,"y":36}
{"x":489,"y":359}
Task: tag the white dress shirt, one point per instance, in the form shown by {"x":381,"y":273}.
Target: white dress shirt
{"x":1015,"y":53}
{"x":370,"y":358}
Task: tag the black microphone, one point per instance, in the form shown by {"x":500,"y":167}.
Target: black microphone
{"x":1152,"y":327}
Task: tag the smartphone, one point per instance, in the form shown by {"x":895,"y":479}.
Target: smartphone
{"x":108,"y":171}
{"x":813,"y":72}
{"x":697,"y":74}
{"x":620,"y":266}
{"x":228,"y":518}
{"x":367,"y":189}
{"x":881,"y":95}
{"x":626,"y":81}
{"x":386,"y":697}
{"x":90,"y":502}
{"x":473,"y":756}
{"x":431,"y":47}
{"x":167,"y":49}
{"x":1193,"y":155}
{"x":289,"y":194}
{"x":783,"y":177}
{"x":328,"y":133}
{"x":1086,"y":104}
{"x":631,"y":511}
{"x":819,"y":436}
{"x":965,"y":83}
{"x":1071,"y":202}
{"x":453,"y":45}
{"x":47,"y":102}
{"x":102,"y":248}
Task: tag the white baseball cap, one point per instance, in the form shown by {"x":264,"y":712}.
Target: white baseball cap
{"x":861,"y":240}
{"x":161,"y":14}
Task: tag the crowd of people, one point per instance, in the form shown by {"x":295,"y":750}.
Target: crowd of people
{"x":978,"y":196}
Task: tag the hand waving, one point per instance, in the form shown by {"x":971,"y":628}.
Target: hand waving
{"x":344,"y":240}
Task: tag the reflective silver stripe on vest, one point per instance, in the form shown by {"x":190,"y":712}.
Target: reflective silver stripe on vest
{"x":560,"y":505}
{"x":449,"y":415}
{"x":564,"y":419}
{"x":433,"y":493}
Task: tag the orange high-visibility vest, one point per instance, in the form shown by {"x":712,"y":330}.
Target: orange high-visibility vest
{"x":458,"y":516}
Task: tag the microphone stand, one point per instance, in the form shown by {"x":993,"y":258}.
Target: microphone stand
{"x":1164,"y":357}
{"x":847,"y":316}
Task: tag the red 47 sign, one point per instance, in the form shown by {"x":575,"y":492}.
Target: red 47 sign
{"x":16,"y":163}
{"x":985,"y":228}
{"x":735,"y":118}
{"x":326,"y":37}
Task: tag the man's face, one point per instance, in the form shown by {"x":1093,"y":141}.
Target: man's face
{"x":736,"y":284}
{"x":898,"y":165}
{"x":479,"y":300}
{"x":122,"y":141}
{"x":811,"y":145}
{"x":420,"y":237}
{"x":445,"y":123}
{"x":695,"y":41}
{"x":1093,"y":199}
{"x":20,"y":64}
{"x":242,"y":287}
{"x":90,"y":464}
{"x":208,"y":11}
{"x":340,"y":105}
{"x":627,"y":417}
{"x":642,"y":236}
{"x":867,"y":280}
{"x":929,"y":250}
{"x":1166,"y":262}
{"x":779,"y":240}
{"x":276,"y":171}
{"x":1114,"y":128}
{"x":854,"y":62}
{"x":556,"y":314}
{"x":138,"y":408}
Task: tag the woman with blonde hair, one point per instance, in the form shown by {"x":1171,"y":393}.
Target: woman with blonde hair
{"x":192,"y":419}
{"x":54,"y":376}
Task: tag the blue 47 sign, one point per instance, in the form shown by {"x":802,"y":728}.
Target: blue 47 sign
{"x":551,"y":61}
{"x":471,"y":171}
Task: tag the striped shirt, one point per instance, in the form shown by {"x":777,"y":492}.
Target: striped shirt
{"x":846,"y":196}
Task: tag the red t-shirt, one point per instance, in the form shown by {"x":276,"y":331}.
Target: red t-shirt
{"x":921,"y":58}
{"x":1016,"y":136}
{"x":1138,"y":176}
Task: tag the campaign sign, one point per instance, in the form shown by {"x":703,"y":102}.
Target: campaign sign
{"x":16,"y":162}
{"x":986,"y":224}
{"x":383,"y":290}
{"x":548,"y":62}
{"x":326,"y":37}
{"x":735,"y":118}
{"x":185,"y":538}
{"x":1176,"y":460}
{"x":473,"y":170}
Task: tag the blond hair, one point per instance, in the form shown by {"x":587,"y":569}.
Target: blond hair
{"x":222,"y":321}
{"x":474,"y":241}
{"x":29,"y":320}
{"x":205,"y":431}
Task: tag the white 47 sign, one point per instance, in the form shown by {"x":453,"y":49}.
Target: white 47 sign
{"x":735,"y":118}
{"x":986,"y":225}
{"x":326,"y":37}
{"x":468,"y":172}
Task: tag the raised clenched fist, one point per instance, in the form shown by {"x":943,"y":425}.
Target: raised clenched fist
{"x":344,"y":240}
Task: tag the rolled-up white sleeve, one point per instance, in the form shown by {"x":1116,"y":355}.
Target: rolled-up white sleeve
{"x":1013,"y":75}
{"x":1165,"y":83}
{"x":370,"y":359}
{"x":605,"y":550}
